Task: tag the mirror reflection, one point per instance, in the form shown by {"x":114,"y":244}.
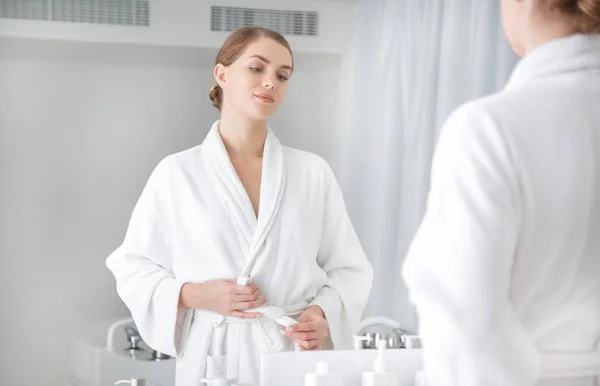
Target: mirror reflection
{"x":342,"y":192}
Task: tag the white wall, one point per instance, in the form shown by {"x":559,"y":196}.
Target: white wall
{"x":77,"y":142}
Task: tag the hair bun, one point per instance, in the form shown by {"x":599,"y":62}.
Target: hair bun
{"x":590,"y":7}
{"x":216,"y":96}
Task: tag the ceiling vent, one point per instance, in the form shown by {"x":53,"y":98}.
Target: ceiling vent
{"x":227,"y":19}
{"x":115,"y":12}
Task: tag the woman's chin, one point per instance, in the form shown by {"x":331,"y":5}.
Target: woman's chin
{"x":261,"y":113}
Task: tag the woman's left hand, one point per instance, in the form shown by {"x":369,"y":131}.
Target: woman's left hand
{"x":311,"y":330}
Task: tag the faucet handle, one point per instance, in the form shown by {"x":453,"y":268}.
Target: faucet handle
{"x":134,"y":337}
{"x":361,"y":341}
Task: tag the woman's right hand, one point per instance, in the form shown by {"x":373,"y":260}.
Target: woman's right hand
{"x":224,"y":297}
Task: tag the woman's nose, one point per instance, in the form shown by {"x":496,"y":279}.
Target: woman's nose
{"x":269,"y":82}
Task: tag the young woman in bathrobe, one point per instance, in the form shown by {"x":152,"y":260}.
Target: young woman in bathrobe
{"x":241,"y":246}
{"x":505,"y":268}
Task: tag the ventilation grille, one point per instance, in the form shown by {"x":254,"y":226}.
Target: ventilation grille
{"x":227,"y":19}
{"x":25,"y":9}
{"x":119,"y":12}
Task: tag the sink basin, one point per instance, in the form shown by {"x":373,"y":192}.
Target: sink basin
{"x":289,"y":368}
{"x":89,"y":362}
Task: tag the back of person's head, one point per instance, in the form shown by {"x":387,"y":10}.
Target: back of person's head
{"x":582,"y":15}
{"x":234,"y":46}
{"x":528,"y":23}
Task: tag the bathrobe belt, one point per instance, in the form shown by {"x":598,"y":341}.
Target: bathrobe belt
{"x":279,"y":315}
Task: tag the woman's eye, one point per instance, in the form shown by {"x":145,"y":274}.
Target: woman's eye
{"x":282,"y":78}
{"x":255,"y":69}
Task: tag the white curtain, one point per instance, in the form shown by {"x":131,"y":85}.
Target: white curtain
{"x":411,"y":62}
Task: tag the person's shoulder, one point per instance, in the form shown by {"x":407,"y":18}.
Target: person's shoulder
{"x":177,"y":162}
{"x":181,"y":159}
{"x":477,"y":110}
{"x":496,"y":110}
{"x":476,"y":133}
{"x":480,"y":119}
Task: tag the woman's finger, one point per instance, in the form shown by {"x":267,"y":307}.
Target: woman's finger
{"x":249,"y":305}
{"x":254,"y":289}
{"x":246,"y":315}
{"x":303,"y":327}
{"x":308,"y":345}
{"x":244,"y":298}
{"x":302,"y":336}
{"x":244,"y":290}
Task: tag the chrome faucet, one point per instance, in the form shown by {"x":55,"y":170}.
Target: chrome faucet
{"x":133,"y":338}
{"x":136,"y":352}
{"x":397,"y":337}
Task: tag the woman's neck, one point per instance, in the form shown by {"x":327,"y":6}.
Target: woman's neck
{"x":242,"y":137}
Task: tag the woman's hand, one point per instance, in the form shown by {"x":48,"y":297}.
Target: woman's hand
{"x":311,"y":330}
{"x":224,"y":297}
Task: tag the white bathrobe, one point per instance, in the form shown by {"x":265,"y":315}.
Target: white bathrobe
{"x":194,"y":222}
{"x":505,"y":268}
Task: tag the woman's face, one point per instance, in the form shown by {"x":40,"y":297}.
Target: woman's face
{"x":256,"y":83}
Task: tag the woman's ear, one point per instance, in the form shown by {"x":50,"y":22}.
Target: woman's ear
{"x":219,"y":74}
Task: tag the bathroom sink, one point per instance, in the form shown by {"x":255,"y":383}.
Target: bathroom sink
{"x":91,"y":363}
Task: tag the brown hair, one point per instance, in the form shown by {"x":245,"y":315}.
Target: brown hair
{"x":234,"y":47}
{"x":585,"y":14}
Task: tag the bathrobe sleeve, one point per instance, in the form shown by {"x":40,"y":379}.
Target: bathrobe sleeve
{"x":458,"y":269}
{"x":349,"y":273}
{"x":143,"y":267}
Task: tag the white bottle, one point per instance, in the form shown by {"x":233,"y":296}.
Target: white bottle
{"x":380,"y":376}
{"x":323,"y":377}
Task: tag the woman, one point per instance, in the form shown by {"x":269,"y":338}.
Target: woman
{"x":238,"y":217}
{"x":505,"y":268}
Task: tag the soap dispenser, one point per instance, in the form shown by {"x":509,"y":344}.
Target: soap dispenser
{"x":323,"y":377}
{"x":380,"y":376}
